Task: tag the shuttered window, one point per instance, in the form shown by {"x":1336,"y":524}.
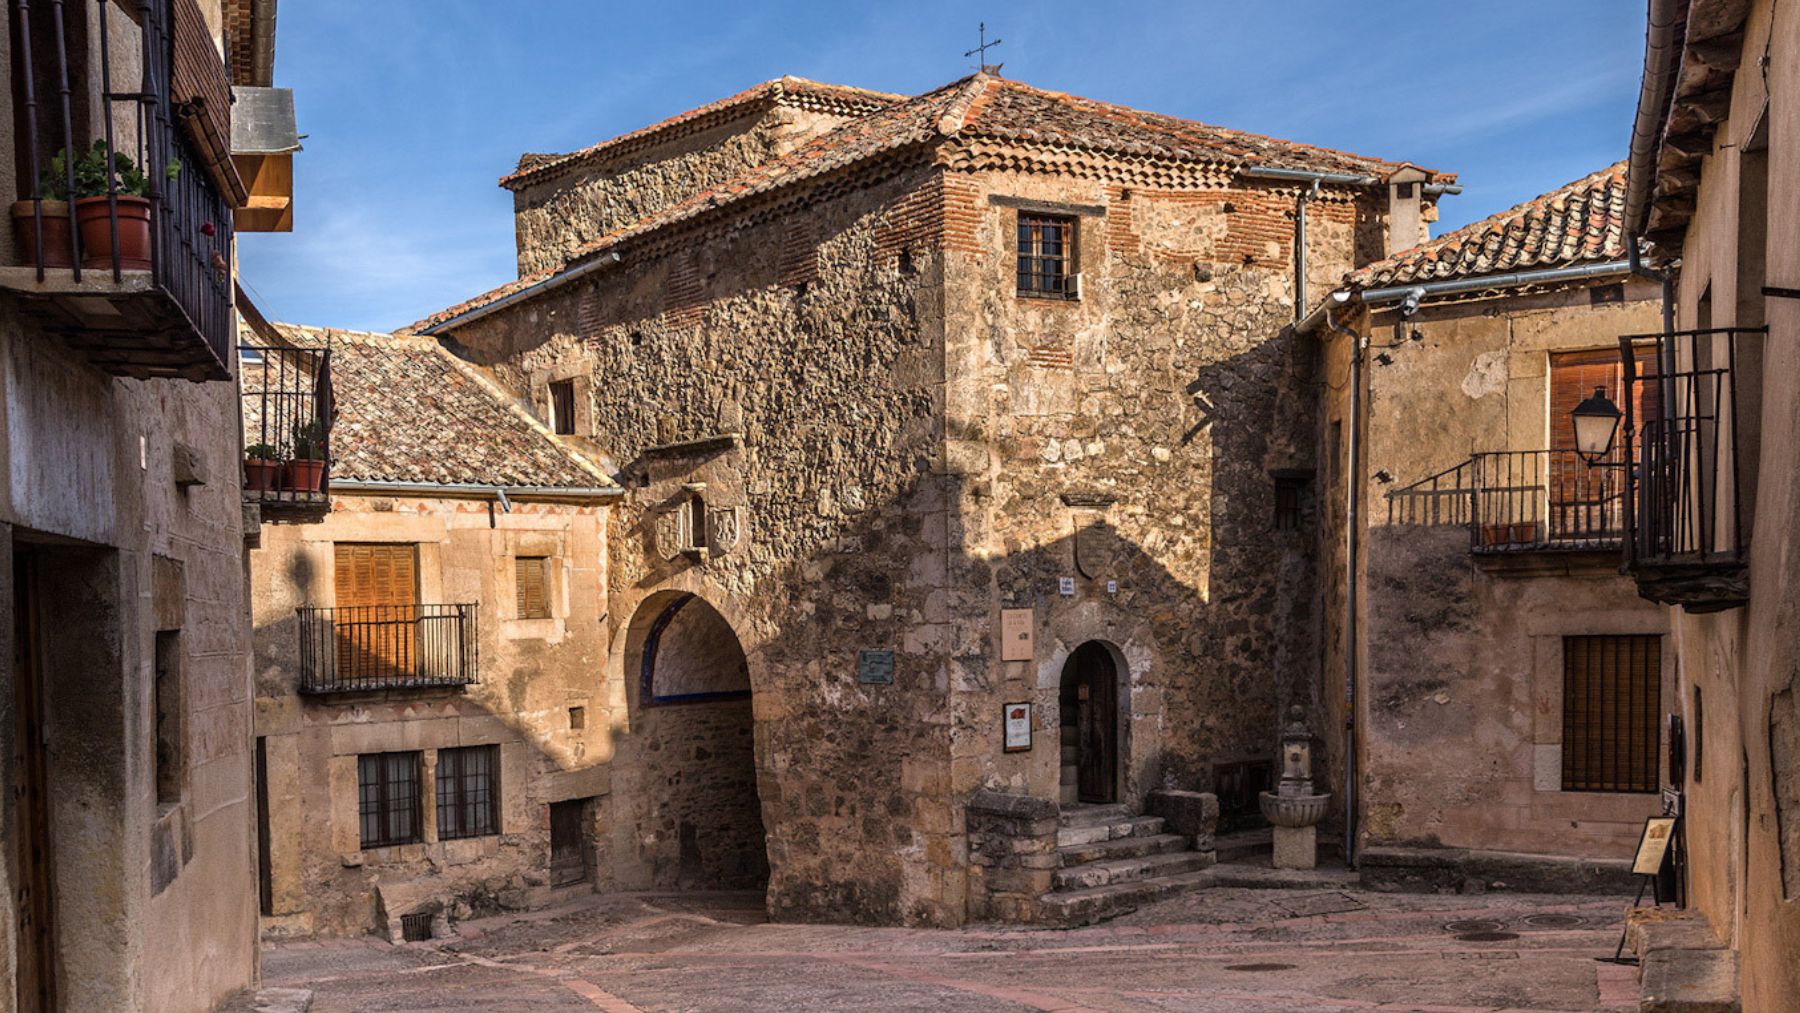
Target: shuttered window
{"x":468,"y":792}
{"x":562,"y":407}
{"x":376,"y":619}
{"x":1575,"y":375}
{"x":531,"y":587}
{"x":388,"y":798}
{"x":1611,"y":688}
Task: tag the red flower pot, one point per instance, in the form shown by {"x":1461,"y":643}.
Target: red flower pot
{"x":304,"y":475}
{"x":56,"y":250}
{"x":261,"y":475}
{"x":93,"y":215}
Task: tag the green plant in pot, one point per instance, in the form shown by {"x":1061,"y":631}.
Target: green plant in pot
{"x":43,"y":225}
{"x":100,"y":181}
{"x":306,"y":472}
{"x":262,"y":467}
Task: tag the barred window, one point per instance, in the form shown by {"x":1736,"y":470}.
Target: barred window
{"x":1611,"y":686}
{"x":1046,"y":250}
{"x":1290,"y":502}
{"x":468,"y":792}
{"x":388,"y":798}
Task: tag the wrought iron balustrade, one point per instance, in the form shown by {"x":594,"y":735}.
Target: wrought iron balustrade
{"x":138,"y":299}
{"x":1688,"y":542}
{"x":288,"y":411}
{"x":1520,"y":501}
{"x":355,"y":648}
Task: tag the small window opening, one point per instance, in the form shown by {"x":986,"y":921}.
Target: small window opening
{"x":1290,"y":502}
{"x":531,"y":587}
{"x":416,"y":927}
{"x":697,"y":522}
{"x":468,"y":792}
{"x":577,"y":718}
{"x":562,"y":407}
{"x":1046,"y":252}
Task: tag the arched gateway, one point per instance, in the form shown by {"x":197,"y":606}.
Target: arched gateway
{"x":687,"y":812}
{"x":1089,"y":705}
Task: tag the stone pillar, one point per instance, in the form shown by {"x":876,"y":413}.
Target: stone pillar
{"x":1012,"y":854}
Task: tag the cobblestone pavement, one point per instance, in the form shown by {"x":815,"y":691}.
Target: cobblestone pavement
{"x":1247,"y":951}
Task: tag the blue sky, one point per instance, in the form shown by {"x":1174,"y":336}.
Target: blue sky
{"x":413,"y":108}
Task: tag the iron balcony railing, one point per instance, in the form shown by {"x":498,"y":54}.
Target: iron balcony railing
{"x":356,"y":648}
{"x":1521,"y":501}
{"x":103,"y":141}
{"x":1685,"y":501}
{"x":288,"y":412}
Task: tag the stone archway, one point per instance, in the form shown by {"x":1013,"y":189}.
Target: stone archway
{"x":1088,"y":702}
{"x":687,"y":815}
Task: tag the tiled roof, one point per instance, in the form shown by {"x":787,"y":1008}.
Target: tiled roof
{"x":1583,"y":222}
{"x":409,"y":411}
{"x":980,"y":105}
{"x":783,"y":90}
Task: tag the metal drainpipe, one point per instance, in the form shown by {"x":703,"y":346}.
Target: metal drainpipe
{"x":1665,"y":355}
{"x":1352,"y":550}
{"x":1300,"y":202}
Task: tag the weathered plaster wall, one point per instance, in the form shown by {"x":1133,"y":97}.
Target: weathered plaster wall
{"x":1462,"y":679}
{"x":156,"y":903}
{"x":532,"y":671}
{"x":553,"y":216}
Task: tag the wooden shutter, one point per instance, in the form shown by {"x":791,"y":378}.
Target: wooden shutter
{"x":562,"y":407}
{"x":1573,"y":377}
{"x":1611,"y":697}
{"x":377,"y":610}
{"x":530,"y":587}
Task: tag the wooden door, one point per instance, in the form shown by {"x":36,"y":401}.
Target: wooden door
{"x":377,"y":610}
{"x":33,"y":910}
{"x":568,"y":842}
{"x":1097,"y":723}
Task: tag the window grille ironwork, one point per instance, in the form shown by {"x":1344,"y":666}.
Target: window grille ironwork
{"x":388,"y":799}
{"x":1611,"y":699}
{"x":288,"y":414}
{"x":378,"y":647}
{"x":468,"y":792}
{"x":1290,"y":502}
{"x":1046,"y":253}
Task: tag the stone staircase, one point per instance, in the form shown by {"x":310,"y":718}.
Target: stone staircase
{"x":1109,"y":862}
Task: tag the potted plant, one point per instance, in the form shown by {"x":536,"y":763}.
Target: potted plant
{"x":262,"y":472}
{"x":306,"y":472}
{"x":98,"y":182}
{"x":53,"y":188}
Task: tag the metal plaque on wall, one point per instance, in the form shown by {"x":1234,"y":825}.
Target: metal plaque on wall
{"x":875,"y":667}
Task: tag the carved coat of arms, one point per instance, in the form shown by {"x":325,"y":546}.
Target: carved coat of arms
{"x":724,"y":528}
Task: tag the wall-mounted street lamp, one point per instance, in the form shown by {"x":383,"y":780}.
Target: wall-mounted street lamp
{"x":1596,"y":424}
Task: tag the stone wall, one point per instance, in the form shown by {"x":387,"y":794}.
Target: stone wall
{"x":532,"y":673}
{"x":1012,"y":854}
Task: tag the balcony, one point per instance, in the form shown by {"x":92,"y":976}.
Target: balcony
{"x":1688,"y":538}
{"x":288,"y":413}
{"x":121,"y":141}
{"x":367,"y":648}
{"x":1520,"y":501}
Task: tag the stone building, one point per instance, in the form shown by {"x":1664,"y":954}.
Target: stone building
{"x":428,"y":622}
{"x":125,"y":852}
{"x":944,"y":405}
{"x":1507,"y":683}
{"x":1712,"y":193}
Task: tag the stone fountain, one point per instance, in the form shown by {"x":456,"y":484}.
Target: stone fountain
{"x":1293,"y":807}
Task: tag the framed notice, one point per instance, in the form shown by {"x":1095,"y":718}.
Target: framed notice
{"x":1016,"y":636}
{"x":1017,"y":718}
{"x":1653,"y":845}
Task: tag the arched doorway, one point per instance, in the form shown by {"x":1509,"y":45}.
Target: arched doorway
{"x":1089,"y":705}
{"x":685,"y":775}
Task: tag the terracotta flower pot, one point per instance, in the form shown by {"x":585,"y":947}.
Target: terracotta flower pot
{"x":304,"y":475}
{"x":56,"y":251}
{"x":261,"y":475}
{"x":94,"y":217}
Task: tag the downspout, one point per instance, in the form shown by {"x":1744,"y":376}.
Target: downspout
{"x":1352,"y":551}
{"x":1300,"y":203}
{"x":1665,"y":355}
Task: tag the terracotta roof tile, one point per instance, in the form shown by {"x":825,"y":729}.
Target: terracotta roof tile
{"x":980,"y":105}
{"x":1582,"y":222}
{"x":409,"y":411}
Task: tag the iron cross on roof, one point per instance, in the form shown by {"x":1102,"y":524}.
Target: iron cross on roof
{"x":981,"y":50}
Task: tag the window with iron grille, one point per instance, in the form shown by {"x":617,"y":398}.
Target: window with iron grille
{"x":1046,"y":253}
{"x":468,"y":792}
{"x":1611,"y":686}
{"x":388,"y":798}
{"x":531,"y":587}
{"x":1290,"y":502}
{"x":562,"y":407}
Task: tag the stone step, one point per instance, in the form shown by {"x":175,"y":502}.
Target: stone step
{"x":1129,"y":870}
{"x":1126,"y":826}
{"x":1125,"y":847}
{"x":1244,"y":844}
{"x":1088,"y":814}
{"x":1085,"y":907}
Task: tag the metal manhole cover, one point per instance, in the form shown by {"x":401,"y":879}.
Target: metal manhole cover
{"x":1259,"y":967}
{"x":1553,"y":921}
{"x":1474,"y":925}
{"x":1487,"y":937}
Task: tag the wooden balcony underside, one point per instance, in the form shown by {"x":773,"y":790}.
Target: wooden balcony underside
{"x":131,"y":327}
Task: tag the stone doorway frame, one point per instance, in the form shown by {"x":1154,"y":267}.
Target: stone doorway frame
{"x":1051,"y":677}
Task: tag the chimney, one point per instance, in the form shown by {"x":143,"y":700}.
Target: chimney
{"x":1406,"y":209}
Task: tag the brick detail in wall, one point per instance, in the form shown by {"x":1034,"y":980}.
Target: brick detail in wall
{"x":799,"y":255}
{"x":684,"y":295}
{"x":587,"y":313}
{"x":1259,"y":224}
{"x":943,"y":214}
{"x":1049,"y":356}
{"x":1120,"y":237}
